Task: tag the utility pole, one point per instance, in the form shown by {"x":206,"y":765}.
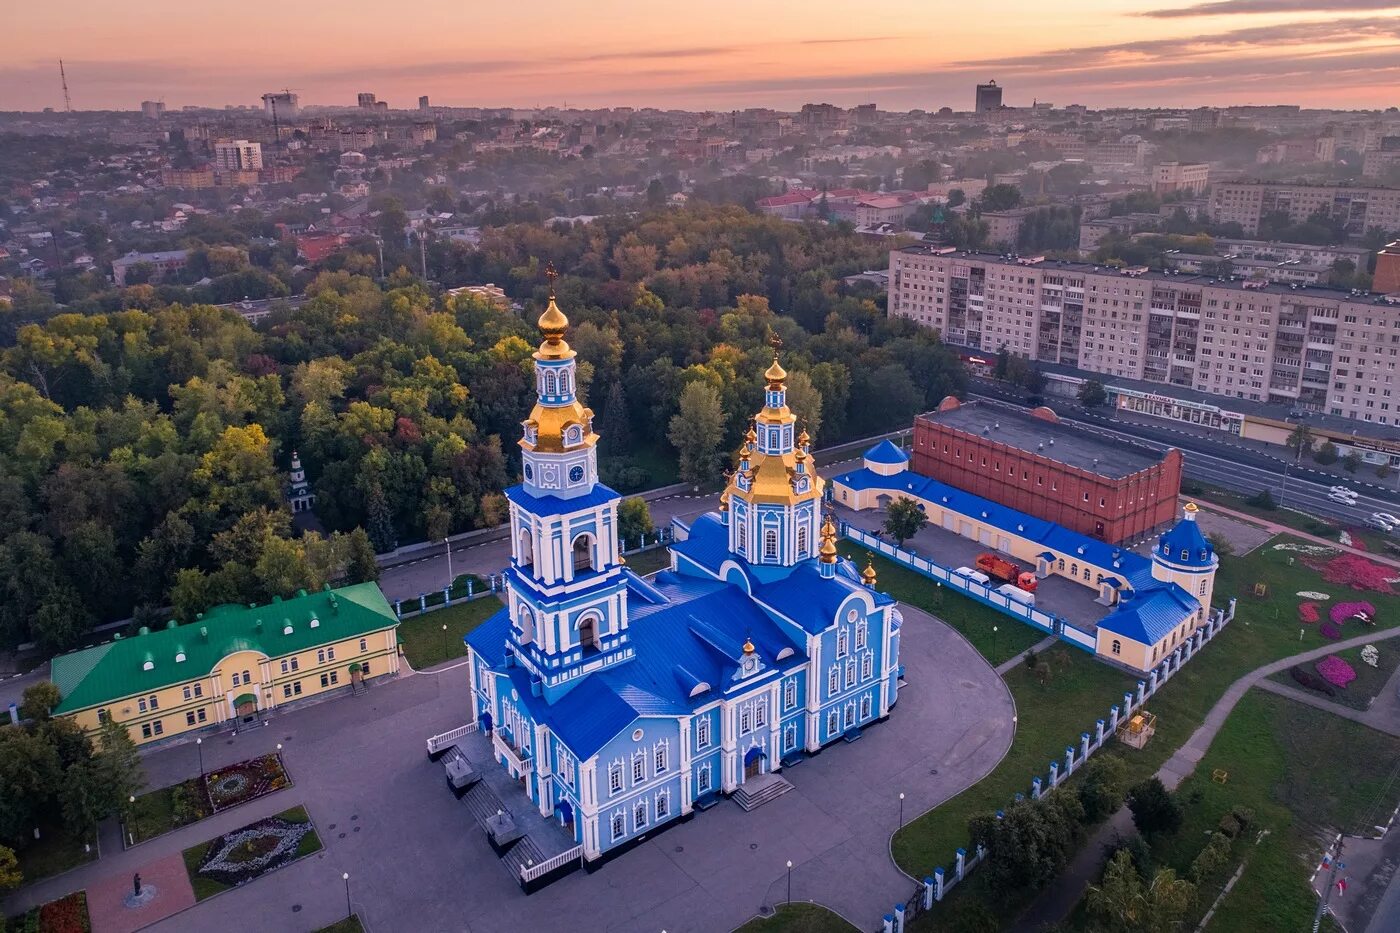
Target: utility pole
{"x":423,"y":255}
{"x":1327,"y":892}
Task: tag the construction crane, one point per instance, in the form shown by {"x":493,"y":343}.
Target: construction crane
{"x":67,"y":101}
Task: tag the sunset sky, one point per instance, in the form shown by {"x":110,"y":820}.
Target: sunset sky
{"x":719,"y":54}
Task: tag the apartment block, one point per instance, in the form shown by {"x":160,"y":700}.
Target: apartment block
{"x":1357,"y":208}
{"x":1169,"y":177}
{"x":236,"y":155}
{"x":1319,"y":348}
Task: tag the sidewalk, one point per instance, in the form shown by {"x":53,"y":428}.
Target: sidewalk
{"x":1059,"y":898}
{"x":1294,"y":532}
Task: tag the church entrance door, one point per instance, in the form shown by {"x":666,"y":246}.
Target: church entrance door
{"x":753,"y":762}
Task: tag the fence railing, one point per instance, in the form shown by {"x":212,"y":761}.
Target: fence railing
{"x":531,"y":872}
{"x":443,"y":739}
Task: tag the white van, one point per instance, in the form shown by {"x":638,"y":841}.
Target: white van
{"x":971,"y":574}
{"x":1012,"y":591}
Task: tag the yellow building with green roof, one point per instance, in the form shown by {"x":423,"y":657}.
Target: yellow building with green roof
{"x":232,"y":663}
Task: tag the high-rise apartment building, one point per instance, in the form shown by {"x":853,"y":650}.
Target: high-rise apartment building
{"x":235,"y":155}
{"x":988,"y":97}
{"x":1357,"y":208}
{"x":281,"y":104}
{"x":152,"y":109}
{"x":423,"y":102}
{"x":1168,"y":177}
{"x":1319,"y":348}
{"x":365,"y":100}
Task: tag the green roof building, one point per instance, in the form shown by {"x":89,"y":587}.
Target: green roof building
{"x":233,"y":662}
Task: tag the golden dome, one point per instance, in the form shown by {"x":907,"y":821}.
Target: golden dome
{"x":804,"y":438}
{"x":1192,"y":507}
{"x":867,"y":576}
{"x":828,"y":548}
{"x":775,"y":374}
{"x":751,"y":435}
{"x":748,"y":646}
{"x":553,"y":324}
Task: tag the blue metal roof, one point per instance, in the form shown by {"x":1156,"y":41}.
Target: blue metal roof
{"x":1185,"y":538}
{"x":885,"y":452}
{"x":1151,"y":617}
{"x":553,"y":505}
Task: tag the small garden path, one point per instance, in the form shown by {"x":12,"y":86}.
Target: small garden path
{"x":1060,"y":896}
{"x":1384,"y":724}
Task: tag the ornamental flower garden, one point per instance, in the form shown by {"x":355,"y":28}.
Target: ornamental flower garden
{"x":245,"y":781}
{"x":240,"y":856}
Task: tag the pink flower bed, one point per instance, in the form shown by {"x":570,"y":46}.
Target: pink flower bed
{"x":1357,"y":572}
{"x":1336,"y":671}
{"x":1307,"y":612}
{"x":1331,"y":630}
{"x":1340,"y":612}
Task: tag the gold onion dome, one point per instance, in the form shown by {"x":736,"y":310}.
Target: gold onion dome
{"x":748,"y":646}
{"x":867,"y":576}
{"x":803,"y":439}
{"x":828,"y":548}
{"x":775,"y":374}
{"x":553,"y":323}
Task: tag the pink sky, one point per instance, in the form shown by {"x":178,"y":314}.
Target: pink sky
{"x":721,"y":54}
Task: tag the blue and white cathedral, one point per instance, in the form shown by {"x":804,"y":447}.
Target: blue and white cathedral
{"x":618,"y":702}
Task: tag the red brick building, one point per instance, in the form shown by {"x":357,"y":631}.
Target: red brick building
{"x":1114,"y":491}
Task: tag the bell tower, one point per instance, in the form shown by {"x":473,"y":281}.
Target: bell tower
{"x":566,"y":586}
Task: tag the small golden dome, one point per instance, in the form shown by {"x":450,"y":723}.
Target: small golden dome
{"x":1192,"y":507}
{"x":800,"y":455}
{"x":775,"y":374}
{"x":867,"y":576}
{"x":803,"y":439}
{"x":748,"y":646}
{"x":828,"y":548}
{"x":751,"y":435}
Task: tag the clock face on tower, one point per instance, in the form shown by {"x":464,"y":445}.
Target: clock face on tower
{"x":529,"y":471}
{"x":576,"y":474}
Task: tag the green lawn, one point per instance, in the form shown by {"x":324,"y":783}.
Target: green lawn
{"x":798,"y":918}
{"x":166,"y":809}
{"x":207,"y":887}
{"x":1306,"y":774}
{"x":1081,"y":690}
{"x":425,"y":643}
{"x":645,"y":562}
{"x":971,"y":618}
{"x":1279,"y":515}
{"x":350,"y":924}
{"x":56,"y":850}
{"x":1369,"y":680}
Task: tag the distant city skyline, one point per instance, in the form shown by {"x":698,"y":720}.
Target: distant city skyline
{"x":723,"y":55}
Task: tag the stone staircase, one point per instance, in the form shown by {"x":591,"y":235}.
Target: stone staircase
{"x":761,"y":789}
{"x":482,"y":803}
{"x":523,"y":853}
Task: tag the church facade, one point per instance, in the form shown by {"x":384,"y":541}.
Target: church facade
{"x":621,"y":703}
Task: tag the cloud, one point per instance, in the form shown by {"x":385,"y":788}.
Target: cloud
{"x":853,"y":41}
{"x":1232,"y":7}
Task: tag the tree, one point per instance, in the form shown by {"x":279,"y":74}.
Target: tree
{"x":1155,"y":811}
{"x":360,"y":565}
{"x":1351,"y":462}
{"x":380,"y":522}
{"x":82,"y":797}
{"x":494,"y":510}
{"x":30,"y":772}
{"x":904,"y":519}
{"x":1300,"y":439}
{"x":1029,"y":845}
{"x":1123,"y":902}
{"x":633,"y":521}
{"x":1092,"y":394}
{"x":1000,"y":198}
{"x":1210,"y":860}
{"x":696,"y":431}
{"x":614,"y":426}
{"x":117,"y":767}
{"x":956,"y":196}
{"x":39,"y":701}
{"x":1101,"y":786}
{"x":1327,"y":454}
{"x":805,"y":400}
{"x":10,"y":876}
{"x":1263,"y":499}
{"x":1221,"y":544}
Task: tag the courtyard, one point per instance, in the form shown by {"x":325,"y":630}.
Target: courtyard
{"x":417,"y":859}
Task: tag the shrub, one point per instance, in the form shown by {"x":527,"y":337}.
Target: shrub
{"x":1154,"y":809}
{"x":1306,"y":678}
{"x":1210,"y":860}
{"x":1101,"y":786}
{"x":1230,"y":826}
{"x":1262,"y":500}
{"x":1244,"y":814}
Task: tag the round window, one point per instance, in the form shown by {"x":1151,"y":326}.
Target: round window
{"x":529,"y":471}
{"x":637,"y":735}
{"x":851,"y":616}
{"x":576,"y":474}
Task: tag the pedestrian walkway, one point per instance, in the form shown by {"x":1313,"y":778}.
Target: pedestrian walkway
{"x":1059,"y":898}
{"x":1336,"y":709}
{"x":1278,"y":529}
{"x":1005,"y":667}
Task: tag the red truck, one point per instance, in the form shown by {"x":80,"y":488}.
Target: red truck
{"x":999,"y":568}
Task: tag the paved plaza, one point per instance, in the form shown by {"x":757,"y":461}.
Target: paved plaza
{"x":418,"y":861}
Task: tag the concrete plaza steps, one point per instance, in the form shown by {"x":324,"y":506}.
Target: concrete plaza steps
{"x":761,"y":789}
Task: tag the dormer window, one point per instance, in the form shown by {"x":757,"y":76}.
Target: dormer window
{"x":1185,"y":554}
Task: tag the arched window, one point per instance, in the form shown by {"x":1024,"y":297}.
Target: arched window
{"x":770,"y":544}
{"x":583,"y":553}
{"x":527,"y":626}
{"x":618,"y":827}
{"x":588,"y":637}
{"x":1117,"y":646}
{"x":1074,"y":570}
{"x":527,"y":547}
{"x":802,"y":540}
{"x":551,"y":384}
{"x":1204,"y":584}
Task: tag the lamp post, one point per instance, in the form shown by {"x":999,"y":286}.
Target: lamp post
{"x":450,"y":578}
{"x":901,"y":809}
{"x":348,"y":911}
{"x":199,"y":744}
{"x":130,"y":820}
{"x":789,"y":866}
{"x":444,"y":641}
{"x":996,"y":642}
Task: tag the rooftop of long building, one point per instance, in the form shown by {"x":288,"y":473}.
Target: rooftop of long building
{"x":1074,"y":447}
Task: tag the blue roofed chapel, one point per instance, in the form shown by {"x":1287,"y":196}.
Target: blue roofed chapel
{"x":619,"y":702}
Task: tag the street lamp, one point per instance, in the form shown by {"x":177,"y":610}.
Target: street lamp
{"x":450,"y":578}
{"x":996,"y":642}
{"x":444,"y":641}
{"x":199,"y":744}
{"x":789,"y":898}
{"x":901,"y":809}
{"x":130,"y":820}
{"x":348,"y":911}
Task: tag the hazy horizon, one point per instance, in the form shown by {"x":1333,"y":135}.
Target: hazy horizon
{"x":723,"y":55}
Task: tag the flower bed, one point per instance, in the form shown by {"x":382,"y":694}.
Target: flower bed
{"x":248,"y":853}
{"x":245,"y":781}
{"x":1356,"y":572}
{"x":1306,"y":678}
{"x":1336,"y":671}
{"x":1341,"y":612}
{"x":1331,"y":630}
{"x":66,"y":915}
{"x":1307,"y":612}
